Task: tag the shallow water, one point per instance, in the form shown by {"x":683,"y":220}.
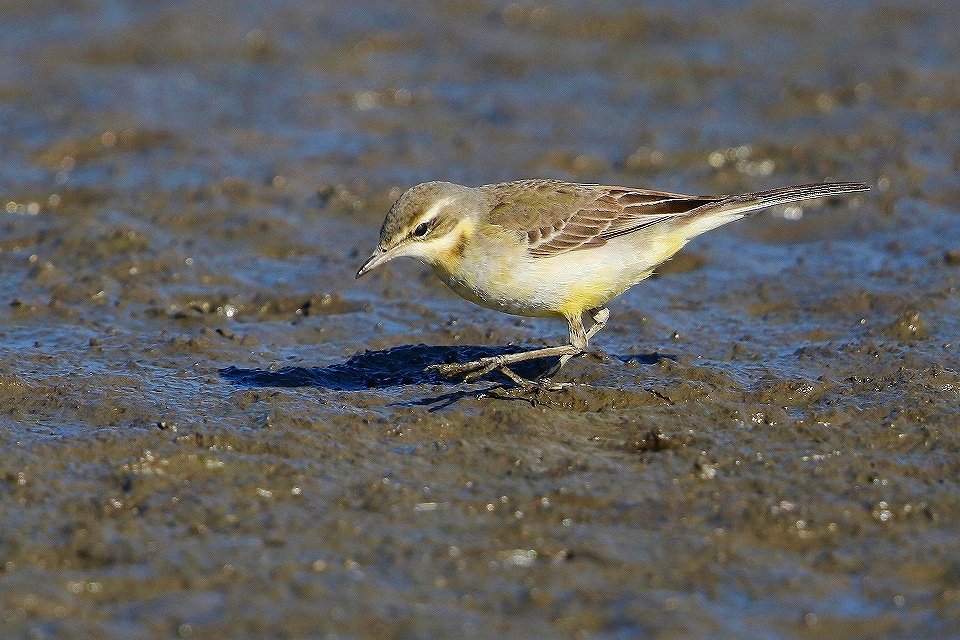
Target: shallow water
{"x":210,"y":429}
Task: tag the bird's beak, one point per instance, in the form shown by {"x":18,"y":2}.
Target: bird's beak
{"x":378,"y":257}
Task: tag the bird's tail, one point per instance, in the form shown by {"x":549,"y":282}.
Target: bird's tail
{"x":727,"y":209}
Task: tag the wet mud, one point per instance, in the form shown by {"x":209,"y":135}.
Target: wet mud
{"x":209,"y":429}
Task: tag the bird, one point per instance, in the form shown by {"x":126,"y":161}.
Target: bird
{"x":550,"y":248}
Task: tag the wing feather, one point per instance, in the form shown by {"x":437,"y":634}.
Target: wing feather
{"x":557,"y":217}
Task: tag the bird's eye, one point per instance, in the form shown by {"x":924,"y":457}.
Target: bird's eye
{"x":421,"y":230}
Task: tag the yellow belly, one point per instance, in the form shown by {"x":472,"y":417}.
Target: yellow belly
{"x":548,"y":290}
{"x":583,"y":296}
{"x":504,"y":277}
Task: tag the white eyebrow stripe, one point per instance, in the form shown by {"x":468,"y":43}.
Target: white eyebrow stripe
{"x":432,"y":212}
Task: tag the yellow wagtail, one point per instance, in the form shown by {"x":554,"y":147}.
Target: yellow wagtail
{"x":552,"y":248}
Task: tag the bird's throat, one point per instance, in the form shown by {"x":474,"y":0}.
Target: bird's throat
{"x":449,"y":253}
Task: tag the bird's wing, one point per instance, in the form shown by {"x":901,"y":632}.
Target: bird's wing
{"x":557,"y":217}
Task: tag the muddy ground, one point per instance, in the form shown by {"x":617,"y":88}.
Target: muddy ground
{"x":209,"y":429}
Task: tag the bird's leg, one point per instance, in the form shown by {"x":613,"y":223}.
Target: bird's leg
{"x":483,"y":366}
{"x":578,"y":338}
{"x":600,"y":315}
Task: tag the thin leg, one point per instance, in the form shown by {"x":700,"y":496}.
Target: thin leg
{"x":578,"y":338}
{"x":542,"y":383}
{"x":599,"y":317}
{"x":578,"y":344}
{"x":483,"y":366}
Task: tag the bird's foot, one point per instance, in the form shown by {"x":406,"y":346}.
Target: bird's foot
{"x":545,"y":384}
{"x":479,"y":368}
{"x":483,"y":366}
{"x":469,"y":370}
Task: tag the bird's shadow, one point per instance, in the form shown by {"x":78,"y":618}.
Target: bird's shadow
{"x":399,"y":366}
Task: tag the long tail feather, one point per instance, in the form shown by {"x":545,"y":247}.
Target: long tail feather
{"x":717,"y":213}
{"x":762,"y":199}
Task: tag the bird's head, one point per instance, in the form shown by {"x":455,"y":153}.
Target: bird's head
{"x":428,"y":222}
